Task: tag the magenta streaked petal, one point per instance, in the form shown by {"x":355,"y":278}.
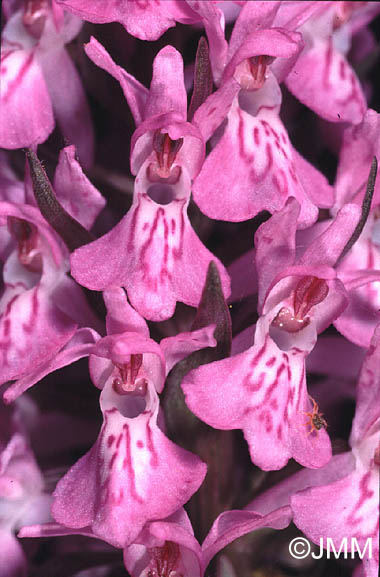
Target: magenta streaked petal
{"x":260,"y":175}
{"x":132,"y":475}
{"x":26,"y":115}
{"x":263,"y":392}
{"x":333,"y":90}
{"x":354,"y":514}
{"x":32,"y":327}
{"x":154,"y":279}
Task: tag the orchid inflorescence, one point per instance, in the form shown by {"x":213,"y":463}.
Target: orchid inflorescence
{"x":227,"y":282}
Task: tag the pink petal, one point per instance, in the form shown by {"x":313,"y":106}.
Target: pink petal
{"x":275,"y":242}
{"x":144,"y":20}
{"x":190,"y":156}
{"x":293,"y":14}
{"x":209,"y":116}
{"x":32,"y":327}
{"x":360,"y":145}
{"x":231,"y":525}
{"x":263,"y":392}
{"x":368,"y":392}
{"x":323,"y":313}
{"x":167,"y":90}
{"x":33,"y":215}
{"x":177,"y":348}
{"x":333,"y":90}
{"x":74,"y":191}
{"x":79,"y":346}
{"x":254,"y":16}
{"x":347,"y":508}
{"x":213,"y":21}
{"x":280,"y":495}
{"x":314,"y":182}
{"x":360,"y":318}
{"x":135,"y":93}
{"x":118,"y":348}
{"x":132,"y":475}
{"x":175,"y":529}
{"x":23,"y":95}
{"x":260,"y":174}
{"x":121,"y":317}
{"x":327,"y":247}
{"x":154,"y":279}
{"x":51,"y":530}
{"x":70,"y":107}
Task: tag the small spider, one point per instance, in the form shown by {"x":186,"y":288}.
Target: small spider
{"x":316,"y":420}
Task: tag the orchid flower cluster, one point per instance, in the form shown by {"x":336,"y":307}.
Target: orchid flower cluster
{"x":189,"y":347}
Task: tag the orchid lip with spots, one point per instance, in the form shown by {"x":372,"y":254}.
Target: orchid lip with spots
{"x":189,"y":290}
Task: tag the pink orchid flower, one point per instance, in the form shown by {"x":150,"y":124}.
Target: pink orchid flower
{"x":22,"y":500}
{"x":262,"y":169}
{"x":41,"y":307}
{"x":333,"y":90}
{"x":35,"y":72}
{"x":169,"y":546}
{"x":359,"y":271}
{"x":153,"y":251}
{"x":263,"y":389}
{"x":133,"y":474}
{"x":341,"y":500}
